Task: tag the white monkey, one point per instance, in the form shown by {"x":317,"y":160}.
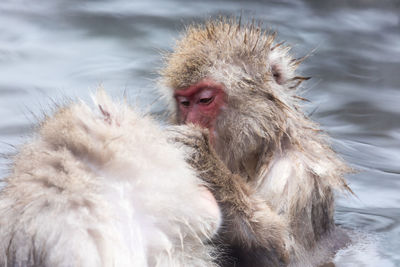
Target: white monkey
{"x":104,"y":187}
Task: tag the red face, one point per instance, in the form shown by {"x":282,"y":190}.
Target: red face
{"x":200,"y":103}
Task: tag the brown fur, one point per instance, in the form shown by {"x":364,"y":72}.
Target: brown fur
{"x":245,"y":214}
{"x":262,"y":135}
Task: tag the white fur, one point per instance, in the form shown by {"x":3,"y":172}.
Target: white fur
{"x":104,"y":187}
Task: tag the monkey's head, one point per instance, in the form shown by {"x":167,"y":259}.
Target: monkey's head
{"x":235,"y":81}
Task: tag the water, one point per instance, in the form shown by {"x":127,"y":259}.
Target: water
{"x":59,"y":49}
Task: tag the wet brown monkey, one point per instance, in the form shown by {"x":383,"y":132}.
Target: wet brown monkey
{"x":242,"y":85}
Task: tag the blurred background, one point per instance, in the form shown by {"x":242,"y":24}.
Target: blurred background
{"x":56,"y":49}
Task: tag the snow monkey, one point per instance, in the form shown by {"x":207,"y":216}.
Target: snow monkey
{"x":106,"y":187}
{"x":238,"y":83}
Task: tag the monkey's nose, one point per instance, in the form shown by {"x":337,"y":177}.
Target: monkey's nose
{"x":192,"y":117}
{"x":197,"y":120}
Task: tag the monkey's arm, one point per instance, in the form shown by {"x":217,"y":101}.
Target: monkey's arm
{"x":303,"y":197}
{"x":251,"y":230}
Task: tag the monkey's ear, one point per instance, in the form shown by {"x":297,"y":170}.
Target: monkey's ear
{"x":281,"y":64}
{"x":277,"y":73}
{"x":283,"y":67}
{"x":110,"y":111}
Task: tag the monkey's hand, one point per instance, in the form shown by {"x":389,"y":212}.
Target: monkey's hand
{"x":200,"y":154}
{"x":251,"y":230}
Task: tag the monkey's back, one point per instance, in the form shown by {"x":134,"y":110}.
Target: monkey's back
{"x":101,"y":188}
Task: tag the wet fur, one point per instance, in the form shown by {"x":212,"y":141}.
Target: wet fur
{"x":104,"y":186}
{"x":262,"y":135}
{"x":245,"y":213}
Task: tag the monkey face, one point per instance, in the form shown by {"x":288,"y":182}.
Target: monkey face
{"x":200,"y":103}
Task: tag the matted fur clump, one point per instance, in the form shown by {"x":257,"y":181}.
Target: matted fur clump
{"x":103,"y":187}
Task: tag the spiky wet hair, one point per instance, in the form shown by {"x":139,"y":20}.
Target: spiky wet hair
{"x":227,"y":42}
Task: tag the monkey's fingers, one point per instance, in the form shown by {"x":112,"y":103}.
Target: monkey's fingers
{"x":187,"y":135}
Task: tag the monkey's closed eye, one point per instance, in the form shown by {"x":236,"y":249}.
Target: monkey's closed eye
{"x":206,"y":101}
{"x":185,"y":103}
